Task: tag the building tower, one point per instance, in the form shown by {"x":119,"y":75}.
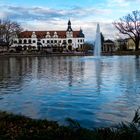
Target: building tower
{"x":69,"y":26}
{"x":69,"y":35}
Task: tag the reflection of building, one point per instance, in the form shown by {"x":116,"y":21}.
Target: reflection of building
{"x":51,"y":41}
{"x":108,"y":46}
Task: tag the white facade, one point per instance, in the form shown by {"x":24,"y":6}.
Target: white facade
{"x":52,"y":41}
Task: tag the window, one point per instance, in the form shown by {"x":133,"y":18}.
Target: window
{"x":48,"y":41}
{"x":48,"y":46}
{"x":30,"y":41}
{"x":55,"y":41}
{"x":59,"y":41}
{"x":20,"y":41}
{"x":81,"y":40}
{"x":34,"y":41}
{"x":43,"y":41}
{"x":51,"y":41}
{"x":64,"y":42}
{"x":25,"y":41}
{"x":69,"y":41}
{"x":15,"y":41}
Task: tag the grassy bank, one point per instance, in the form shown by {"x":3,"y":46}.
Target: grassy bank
{"x":30,"y":54}
{"x":44,"y":54}
{"x":126,"y":53}
{"x":14,"y":127}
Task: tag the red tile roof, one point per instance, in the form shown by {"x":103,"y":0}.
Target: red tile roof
{"x":42,"y":34}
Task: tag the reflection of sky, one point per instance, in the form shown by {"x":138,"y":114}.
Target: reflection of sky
{"x":93,"y":91}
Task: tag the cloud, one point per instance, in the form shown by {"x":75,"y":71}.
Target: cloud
{"x":26,"y":13}
{"x":3,"y":15}
{"x":121,"y":3}
{"x":88,"y":27}
{"x":118,"y":3}
{"x":44,"y":18}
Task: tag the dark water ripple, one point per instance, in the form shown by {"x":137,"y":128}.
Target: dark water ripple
{"x":96,"y":92}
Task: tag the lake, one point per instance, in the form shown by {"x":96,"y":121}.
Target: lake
{"x":95,"y":92}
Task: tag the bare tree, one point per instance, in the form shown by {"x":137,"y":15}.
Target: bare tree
{"x":130,"y":25}
{"x":88,"y":46}
{"x":8,"y":31}
{"x":2,"y":28}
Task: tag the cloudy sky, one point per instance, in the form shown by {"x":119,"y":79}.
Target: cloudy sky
{"x":54,"y":14}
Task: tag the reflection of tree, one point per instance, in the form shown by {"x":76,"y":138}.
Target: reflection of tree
{"x":4,"y":69}
{"x":137,"y":65}
{"x":137,"y":74}
{"x":127,"y":85}
{"x":10,"y":73}
{"x":15,"y":70}
{"x":52,"y":70}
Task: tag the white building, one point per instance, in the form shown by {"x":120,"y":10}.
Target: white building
{"x":51,"y":41}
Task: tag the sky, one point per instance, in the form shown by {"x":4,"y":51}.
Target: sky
{"x":54,"y":14}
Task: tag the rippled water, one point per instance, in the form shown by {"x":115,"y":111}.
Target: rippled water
{"x":96,"y":92}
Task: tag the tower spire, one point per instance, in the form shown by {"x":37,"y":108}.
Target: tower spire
{"x":69,"y":26}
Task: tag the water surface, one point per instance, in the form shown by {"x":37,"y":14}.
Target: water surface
{"x":96,"y":92}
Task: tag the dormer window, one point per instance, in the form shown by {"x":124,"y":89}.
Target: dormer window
{"x":33,"y":35}
{"x":48,"y":35}
{"x":55,"y":35}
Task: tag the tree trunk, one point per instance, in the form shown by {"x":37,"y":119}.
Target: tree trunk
{"x":137,"y":45}
{"x":137,"y":48}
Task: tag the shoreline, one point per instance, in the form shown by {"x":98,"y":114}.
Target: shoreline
{"x":119,"y":53}
{"x":18,"y":127}
{"x":42,"y":54}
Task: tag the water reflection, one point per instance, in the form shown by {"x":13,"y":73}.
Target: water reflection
{"x":100,"y":91}
{"x":125,"y":97}
{"x":98,"y":73}
{"x":38,"y":67}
